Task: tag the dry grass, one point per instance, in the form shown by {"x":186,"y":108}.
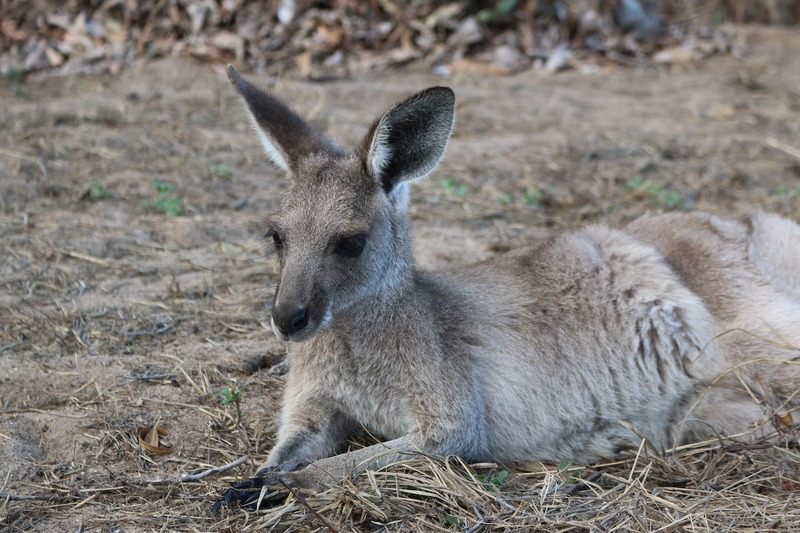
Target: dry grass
{"x":707,"y":486}
{"x":702,"y":487}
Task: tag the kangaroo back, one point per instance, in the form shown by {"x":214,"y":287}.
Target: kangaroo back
{"x":774,"y":247}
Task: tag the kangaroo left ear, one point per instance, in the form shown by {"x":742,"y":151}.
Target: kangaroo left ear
{"x":409,"y":140}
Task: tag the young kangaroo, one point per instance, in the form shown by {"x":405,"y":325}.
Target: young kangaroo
{"x":574,"y":349}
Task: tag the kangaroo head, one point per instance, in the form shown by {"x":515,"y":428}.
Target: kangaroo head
{"x":341,"y":232}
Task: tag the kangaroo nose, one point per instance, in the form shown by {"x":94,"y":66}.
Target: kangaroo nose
{"x":291,"y":322}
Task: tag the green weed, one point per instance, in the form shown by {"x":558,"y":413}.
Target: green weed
{"x":454,"y":188}
{"x":224,"y":171}
{"x":573,"y":477}
{"x":454,"y":521}
{"x":164,"y":187}
{"x":232,"y":394}
{"x":786,"y":191}
{"x":656,"y":194}
{"x":166,"y":202}
{"x":532,"y":197}
{"x":495,"y":481}
{"x":16,"y":82}
{"x":500,"y":9}
{"x":99,"y":192}
{"x":506,"y":199}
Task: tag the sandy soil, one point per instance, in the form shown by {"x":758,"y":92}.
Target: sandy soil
{"x":117,"y":314}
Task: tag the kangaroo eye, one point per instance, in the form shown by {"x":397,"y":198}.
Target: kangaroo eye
{"x":351,"y":246}
{"x":276,"y":239}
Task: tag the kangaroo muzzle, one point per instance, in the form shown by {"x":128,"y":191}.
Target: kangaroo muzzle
{"x":289,"y":320}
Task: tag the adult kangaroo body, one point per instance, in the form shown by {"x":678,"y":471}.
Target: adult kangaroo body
{"x":574,"y":349}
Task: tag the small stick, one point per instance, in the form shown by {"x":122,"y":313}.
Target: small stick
{"x":28,"y":498}
{"x":85,"y":257}
{"x":150,"y":332}
{"x":783,"y":147}
{"x":85,"y":501}
{"x":311,"y":510}
{"x":148,"y":377}
{"x":185,"y":478}
{"x":584,"y":483}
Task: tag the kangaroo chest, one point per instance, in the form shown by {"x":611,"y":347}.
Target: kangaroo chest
{"x":369,"y":388}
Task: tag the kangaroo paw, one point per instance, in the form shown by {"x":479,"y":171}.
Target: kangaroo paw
{"x":255,"y":493}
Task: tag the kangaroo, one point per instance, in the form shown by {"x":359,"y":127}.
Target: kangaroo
{"x":677,"y":328}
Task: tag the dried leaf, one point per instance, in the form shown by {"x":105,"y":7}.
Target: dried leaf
{"x":58,"y":20}
{"x":469,"y":67}
{"x":444,"y":15}
{"x":150,"y":439}
{"x":468,"y":32}
{"x":197,"y":16}
{"x":721,"y":110}
{"x":558,"y":59}
{"x":230,"y":42}
{"x":784,"y":418}
{"x":677,"y":55}
{"x":286,"y":11}
{"x":36,"y":57}
{"x":303,"y":64}
{"x":55,"y":58}
{"x":8,"y":28}
{"x":508,"y":57}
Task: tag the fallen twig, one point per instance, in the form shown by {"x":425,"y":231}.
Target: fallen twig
{"x":783,"y":147}
{"x":151,"y":377}
{"x":584,"y":483}
{"x":30,"y":498}
{"x":314,"y":512}
{"x":85,"y":257}
{"x":185,"y":478}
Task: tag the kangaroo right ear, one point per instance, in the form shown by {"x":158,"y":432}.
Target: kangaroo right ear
{"x":409,"y":140}
{"x":286,"y":137}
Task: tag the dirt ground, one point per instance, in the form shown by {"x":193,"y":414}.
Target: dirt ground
{"x":134,"y":286}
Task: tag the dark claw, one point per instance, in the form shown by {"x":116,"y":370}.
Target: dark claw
{"x":246,"y":493}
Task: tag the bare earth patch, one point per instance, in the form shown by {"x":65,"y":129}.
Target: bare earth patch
{"x":133,"y":284}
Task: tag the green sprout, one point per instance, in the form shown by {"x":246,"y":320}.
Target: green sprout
{"x":232,"y":394}
{"x":166,"y":202}
{"x":99,"y":192}
{"x":454,"y":188}
{"x":495,"y":481}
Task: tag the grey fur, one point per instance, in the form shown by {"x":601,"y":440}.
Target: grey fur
{"x":574,"y":349}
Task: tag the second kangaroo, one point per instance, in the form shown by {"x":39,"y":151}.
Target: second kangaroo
{"x":575,"y":349}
